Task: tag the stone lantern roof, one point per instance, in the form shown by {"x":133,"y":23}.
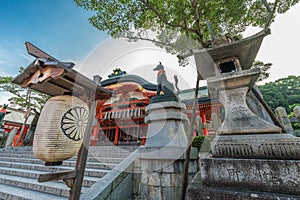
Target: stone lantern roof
{"x":243,"y":51}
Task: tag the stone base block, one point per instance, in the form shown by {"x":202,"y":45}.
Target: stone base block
{"x":265,"y":146}
{"x":197,"y":191}
{"x":280,"y":176}
{"x":162,"y":179}
{"x":166,"y":153}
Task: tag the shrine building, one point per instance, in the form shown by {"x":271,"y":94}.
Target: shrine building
{"x":120,"y":120}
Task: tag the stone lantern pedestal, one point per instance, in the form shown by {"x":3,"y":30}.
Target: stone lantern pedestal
{"x":161,"y":160}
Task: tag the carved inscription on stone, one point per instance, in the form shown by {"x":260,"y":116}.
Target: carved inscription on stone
{"x":267,"y":175}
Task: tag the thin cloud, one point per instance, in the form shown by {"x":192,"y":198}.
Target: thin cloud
{"x":25,"y":56}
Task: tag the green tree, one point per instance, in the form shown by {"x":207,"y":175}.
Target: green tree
{"x":23,"y":97}
{"x":284,"y":92}
{"x":264,"y":67}
{"x":181,"y":25}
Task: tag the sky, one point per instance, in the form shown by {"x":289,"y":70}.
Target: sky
{"x":61,"y":29}
{"x":58,"y":27}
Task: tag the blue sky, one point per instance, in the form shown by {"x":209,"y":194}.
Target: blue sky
{"x":57,"y":26}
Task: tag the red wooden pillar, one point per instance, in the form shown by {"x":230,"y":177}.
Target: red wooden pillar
{"x":143,"y":141}
{"x":117,"y":136}
{"x":205,"y":130}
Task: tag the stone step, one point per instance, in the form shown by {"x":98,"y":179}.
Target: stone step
{"x":112,"y":154}
{"x":8,"y":192}
{"x":39,"y":167}
{"x":120,"y":149}
{"x":20,"y":170}
{"x":87,"y":181}
{"x":11,"y":149}
{"x":115,"y":160}
{"x":52,"y":187}
{"x":68,"y":163}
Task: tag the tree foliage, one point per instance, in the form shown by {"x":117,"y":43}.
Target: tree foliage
{"x":283,"y":92}
{"x":23,"y":97}
{"x":264,"y":67}
{"x":181,"y":25}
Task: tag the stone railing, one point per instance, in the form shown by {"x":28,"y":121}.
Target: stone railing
{"x":116,"y":184}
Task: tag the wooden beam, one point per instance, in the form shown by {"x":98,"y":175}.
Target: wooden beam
{"x":268,"y":109}
{"x":57,"y":176}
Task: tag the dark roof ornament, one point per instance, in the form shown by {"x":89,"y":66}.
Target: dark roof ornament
{"x":116,"y":73}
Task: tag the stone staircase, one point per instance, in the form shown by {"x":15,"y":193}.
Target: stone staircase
{"x":19,"y":172}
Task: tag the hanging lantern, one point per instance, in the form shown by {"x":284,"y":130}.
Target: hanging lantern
{"x":60,"y":129}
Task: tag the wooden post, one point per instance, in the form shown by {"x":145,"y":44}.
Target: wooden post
{"x":189,"y":138}
{"x":82,"y":155}
{"x":268,"y":109}
{"x":22,"y":134}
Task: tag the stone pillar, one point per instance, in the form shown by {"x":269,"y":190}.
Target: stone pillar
{"x":284,"y":120}
{"x":11,"y":137}
{"x":162,"y":158}
{"x":198,"y":126}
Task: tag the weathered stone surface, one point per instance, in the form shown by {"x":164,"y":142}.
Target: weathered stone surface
{"x":163,"y":105}
{"x":168,"y":194}
{"x":197,"y":191}
{"x":167,"y":175}
{"x":269,"y":146}
{"x":215,"y":121}
{"x":297,"y":112}
{"x":154,"y":192}
{"x":154,"y":179}
{"x":281,"y":176}
{"x":256,"y":107}
{"x":238,"y":117}
{"x":142,"y":192}
{"x":161,"y":159}
{"x":166,"y":116}
{"x":167,"y":125}
{"x":163,"y":98}
{"x":284,"y":120}
{"x":166,"y":133}
{"x":232,"y":80}
{"x":166,"y":180}
{"x":166,"y":153}
{"x":125,"y":190}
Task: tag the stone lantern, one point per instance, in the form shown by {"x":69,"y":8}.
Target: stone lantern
{"x":250,"y":158}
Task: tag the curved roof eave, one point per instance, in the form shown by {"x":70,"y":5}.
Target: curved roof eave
{"x":130,"y":78}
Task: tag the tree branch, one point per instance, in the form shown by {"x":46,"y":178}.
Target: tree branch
{"x":271,"y":14}
{"x":154,"y":41}
{"x":146,"y":3}
{"x":198,"y":27}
